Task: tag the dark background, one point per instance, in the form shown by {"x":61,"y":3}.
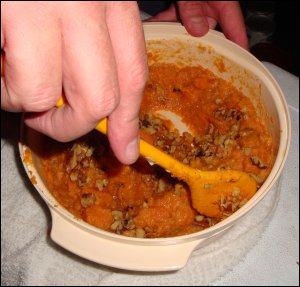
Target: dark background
{"x":282,"y":48}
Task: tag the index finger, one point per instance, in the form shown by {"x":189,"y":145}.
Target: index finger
{"x":232,"y":21}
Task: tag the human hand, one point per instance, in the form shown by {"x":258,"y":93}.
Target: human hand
{"x":94,"y":50}
{"x":199,"y":16}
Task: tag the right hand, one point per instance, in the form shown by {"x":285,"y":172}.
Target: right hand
{"x":94,"y":50}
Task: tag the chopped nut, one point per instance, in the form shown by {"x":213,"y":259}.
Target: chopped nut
{"x":85,"y":162}
{"x":199,"y":218}
{"x":140,"y":233}
{"x":90,"y":151}
{"x":211,"y":129}
{"x":258,"y":162}
{"x":161,"y":185}
{"x":234,"y":206}
{"x":160,"y":91}
{"x":149,"y":180}
{"x":129,"y":224}
{"x":172,"y":149}
{"x":117,"y":225}
{"x":228,"y":142}
{"x":73,"y":161}
{"x":101,"y":183}
{"x":88,"y":199}
{"x":178,"y":188}
{"x":219,"y":140}
{"x":219,"y":101}
{"x":243,"y":202}
{"x":209,"y":221}
{"x":247,"y":151}
{"x":150,"y":130}
{"x":256,"y":178}
{"x":222,"y":200}
{"x":74,"y":175}
{"x":244,"y":110}
{"x":117,"y":214}
{"x":236,"y":191}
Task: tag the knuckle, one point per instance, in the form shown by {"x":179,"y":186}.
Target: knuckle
{"x":41,"y":101}
{"x":103,"y":106}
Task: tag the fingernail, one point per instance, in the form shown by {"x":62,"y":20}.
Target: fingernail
{"x":132,"y":150}
{"x":198,"y":24}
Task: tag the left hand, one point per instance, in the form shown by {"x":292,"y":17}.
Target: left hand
{"x":200,"y":16}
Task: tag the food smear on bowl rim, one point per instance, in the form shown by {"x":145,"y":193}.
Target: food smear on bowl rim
{"x":145,"y":201}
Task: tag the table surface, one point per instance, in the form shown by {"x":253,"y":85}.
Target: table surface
{"x":29,"y":257}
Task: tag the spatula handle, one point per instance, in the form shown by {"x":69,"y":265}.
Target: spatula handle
{"x":153,"y":154}
{"x":149,"y":152}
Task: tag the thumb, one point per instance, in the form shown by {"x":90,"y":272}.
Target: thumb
{"x":193,"y":17}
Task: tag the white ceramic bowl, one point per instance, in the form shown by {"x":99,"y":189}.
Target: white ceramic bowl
{"x":227,"y":61}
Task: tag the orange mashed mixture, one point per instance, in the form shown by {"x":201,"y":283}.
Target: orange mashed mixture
{"x":145,"y":201}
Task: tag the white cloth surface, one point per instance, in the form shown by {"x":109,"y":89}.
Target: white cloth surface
{"x":263,"y":250}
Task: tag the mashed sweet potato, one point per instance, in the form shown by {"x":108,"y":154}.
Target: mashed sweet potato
{"x":145,"y":201}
